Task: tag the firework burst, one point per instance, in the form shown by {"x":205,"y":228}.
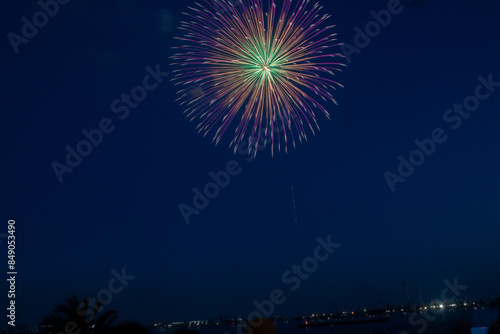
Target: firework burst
{"x":255,"y":71}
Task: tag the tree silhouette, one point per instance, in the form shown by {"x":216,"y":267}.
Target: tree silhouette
{"x":76,"y":316}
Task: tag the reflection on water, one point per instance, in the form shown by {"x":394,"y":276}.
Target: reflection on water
{"x":443,"y":323}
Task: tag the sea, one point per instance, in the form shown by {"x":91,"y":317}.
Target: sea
{"x":442,"y":323}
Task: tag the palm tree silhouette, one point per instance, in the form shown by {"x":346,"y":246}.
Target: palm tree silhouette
{"x":78,"y":317}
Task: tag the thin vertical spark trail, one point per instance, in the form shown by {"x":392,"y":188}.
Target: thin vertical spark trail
{"x":257,"y":70}
{"x":296,"y":224}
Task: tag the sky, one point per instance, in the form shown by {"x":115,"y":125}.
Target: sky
{"x":112,"y":226}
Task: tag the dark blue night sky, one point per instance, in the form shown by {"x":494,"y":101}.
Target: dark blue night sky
{"x":119,"y":207}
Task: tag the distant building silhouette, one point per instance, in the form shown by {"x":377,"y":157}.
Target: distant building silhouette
{"x":419,"y":295}
{"x":405,"y":292}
